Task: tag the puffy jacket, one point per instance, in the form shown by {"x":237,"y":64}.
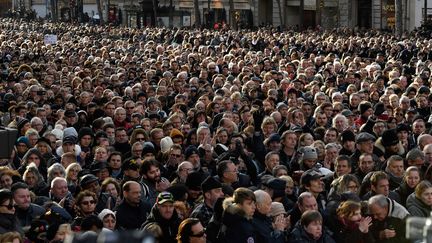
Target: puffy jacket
{"x":169,"y":227}
{"x":236,"y":226}
{"x":299,"y":235}
{"x":416,"y":207}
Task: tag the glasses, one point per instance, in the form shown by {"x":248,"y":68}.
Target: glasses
{"x":140,"y":139}
{"x":9,"y":207}
{"x":199,"y":234}
{"x":88,"y":202}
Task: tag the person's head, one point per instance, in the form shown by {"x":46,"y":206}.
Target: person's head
{"x":132,"y":192}
{"x":380,"y":183}
{"x":150,"y":170}
{"x":346,"y":183}
{"x":165,"y":205}
{"x":108,"y":218}
{"x":212,"y":190}
{"x":271,"y":160}
{"x":191,"y":231}
{"x":56,"y":170}
{"x":378,"y":207}
{"x":245,"y":199}
{"x":311,"y":181}
{"x":289,"y":139}
{"x":6,"y":202}
{"x":366,"y":163}
{"x":412,"y":176}
{"x":59,"y":188}
{"x":307,"y":201}
{"x":21,"y":195}
{"x":263,"y":202}
{"x":227,"y":171}
{"x":423,"y":192}
{"x":395,"y":166}
{"x":85,"y":202}
{"x":343,"y":165}
{"x":11,"y":237}
{"x":32,"y":176}
{"x":311,"y":221}
{"x":350,"y":211}
{"x":111,"y":186}
{"x":415,"y":157}
{"x":72,"y":172}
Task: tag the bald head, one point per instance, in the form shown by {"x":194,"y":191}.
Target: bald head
{"x":263,"y":202}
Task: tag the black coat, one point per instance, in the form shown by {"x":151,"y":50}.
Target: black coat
{"x":131,"y":217}
{"x":404,"y":191}
{"x":236,"y":227}
{"x":9,"y":223}
{"x":25,"y":217}
{"x":169,"y":227}
{"x":342,"y":234}
{"x":264,"y":229}
{"x":299,"y":235}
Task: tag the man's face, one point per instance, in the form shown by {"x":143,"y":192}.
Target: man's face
{"x":115,"y":162}
{"x":397,"y":168}
{"x":290,"y":141}
{"x":382,"y":187}
{"x":316,"y":186}
{"x":366,"y":164}
{"x":60,"y":189}
{"x":215,"y":194}
{"x":377,"y":212}
{"x":428,"y":153}
{"x":22,"y":198}
{"x":230,"y":175}
{"x":366,"y":147}
{"x":153,"y":174}
{"x":68,"y":147}
{"x":342,"y":168}
{"x":121,"y":136}
{"x":134,"y":194}
{"x":166,"y":210}
{"x":309,"y":203}
{"x":265,"y":206}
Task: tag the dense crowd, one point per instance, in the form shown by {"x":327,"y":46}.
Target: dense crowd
{"x":213,"y":136}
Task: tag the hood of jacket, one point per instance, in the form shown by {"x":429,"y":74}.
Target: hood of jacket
{"x":417,"y":204}
{"x":396,"y":210}
{"x":60,"y":152}
{"x":232,"y":213}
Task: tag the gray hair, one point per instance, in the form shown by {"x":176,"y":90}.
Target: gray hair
{"x":260,"y":196}
{"x":414,"y":154}
{"x":379,"y":200}
{"x":54,"y":168}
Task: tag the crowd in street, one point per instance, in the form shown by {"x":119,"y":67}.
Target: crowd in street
{"x":213,"y":135}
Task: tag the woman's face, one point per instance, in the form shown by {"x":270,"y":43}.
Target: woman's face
{"x":352,"y":187}
{"x":73,"y":173}
{"x":314,"y":229}
{"x":109,"y":222}
{"x":88,"y":205}
{"x":223,"y":137}
{"x":426,"y":196}
{"x":7,"y":207}
{"x":33,"y":158}
{"x":30,"y":179}
{"x":111,"y":189}
{"x":412,"y":179}
{"x":308,"y":140}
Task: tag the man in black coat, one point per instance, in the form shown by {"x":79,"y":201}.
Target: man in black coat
{"x":132,"y":211}
{"x":262,"y":223}
{"x":25,"y":210}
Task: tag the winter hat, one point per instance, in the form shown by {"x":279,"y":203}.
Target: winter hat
{"x":70,"y":131}
{"x":390,"y":138}
{"x":194,"y":181}
{"x":378,"y":109}
{"x":166,"y":143}
{"x":21,"y":122}
{"x":85,"y":131}
{"x":346,"y":136}
{"x":24,"y":140}
{"x":148,"y":148}
{"x":69,"y":139}
{"x":176,"y":133}
{"x":190,"y":151}
{"x":58,"y":132}
{"x":403,"y":127}
{"x":106,"y":212}
{"x":278,"y":185}
{"x":210,"y":183}
{"x":309,"y":152}
{"x":363,"y":107}
{"x":277,"y":208}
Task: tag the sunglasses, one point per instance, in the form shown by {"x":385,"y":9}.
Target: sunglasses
{"x":199,"y":234}
{"x":9,"y":207}
{"x":88,"y":202}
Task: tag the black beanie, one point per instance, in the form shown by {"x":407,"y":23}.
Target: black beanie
{"x":363,"y":107}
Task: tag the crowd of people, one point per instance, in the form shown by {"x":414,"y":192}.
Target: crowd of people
{"x":213,"y":136}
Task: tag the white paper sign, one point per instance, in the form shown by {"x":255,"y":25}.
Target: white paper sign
{"x":50,"y":39}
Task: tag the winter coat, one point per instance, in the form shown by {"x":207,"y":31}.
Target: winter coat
{"x":236,"y":226}
{"x":131,"y":217}
{"x":25,"y":217}
{"x":9,"y":223}
{"x":264,"y":229}
{"x":344,"y":233}
{"x":169,"y":227}
{"x":417,"y":207}
{"x":299,"y":235}
{"x":404,"y":191}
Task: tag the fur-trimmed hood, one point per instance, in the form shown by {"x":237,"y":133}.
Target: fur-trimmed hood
{"x":59,"y":150}
{"x":232,"y":209}
{"x":378,"y":144}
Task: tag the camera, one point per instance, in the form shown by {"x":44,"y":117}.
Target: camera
{"x":419,"y":229}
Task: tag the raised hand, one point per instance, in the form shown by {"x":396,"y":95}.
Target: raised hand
{"x":364,"y":224}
